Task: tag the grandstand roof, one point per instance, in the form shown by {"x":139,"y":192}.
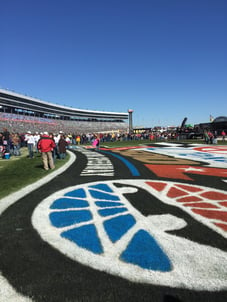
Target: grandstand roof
{"x":12,"y":99}
{"x":220,"y":119}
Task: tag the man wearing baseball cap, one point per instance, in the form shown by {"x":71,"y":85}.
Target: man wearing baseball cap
{"x":45,"y":146}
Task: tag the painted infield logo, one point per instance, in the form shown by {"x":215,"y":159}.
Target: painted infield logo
{"x":197,"y":154}
{"x":96,"y":225}
{"x":213,"y":149}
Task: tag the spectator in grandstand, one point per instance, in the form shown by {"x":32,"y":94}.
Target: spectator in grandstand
{"x":29,"y":138}
{"x":46,"y":145}
{"x":6,"y":139}
{"x":62,"y":145}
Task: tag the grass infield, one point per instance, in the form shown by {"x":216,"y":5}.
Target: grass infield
{"x":20,"y":171}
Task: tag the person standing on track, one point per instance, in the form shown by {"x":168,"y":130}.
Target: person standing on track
{"x":46,"y":145}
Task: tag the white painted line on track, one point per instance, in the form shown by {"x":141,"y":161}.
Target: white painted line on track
{"x":7,"y":292}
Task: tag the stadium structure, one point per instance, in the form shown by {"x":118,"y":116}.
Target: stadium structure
{"x":21,"y":113}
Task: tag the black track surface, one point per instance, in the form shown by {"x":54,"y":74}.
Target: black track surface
{"x":37,"y":270}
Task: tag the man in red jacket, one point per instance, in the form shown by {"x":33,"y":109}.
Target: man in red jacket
{"x":45,"y":146}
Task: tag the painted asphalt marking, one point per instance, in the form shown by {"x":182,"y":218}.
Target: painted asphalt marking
{"x":189,"y":153}
{"x":185,"y":172}
{"x":83,"y":222}
{"x":213,"y":149}
{"x":129,"y":165}
{"x":98,"y":164}
{"x":200,"y":204}
{"x":155,"y":158}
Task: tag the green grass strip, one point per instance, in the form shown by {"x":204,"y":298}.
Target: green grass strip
{"x":18,"y":172}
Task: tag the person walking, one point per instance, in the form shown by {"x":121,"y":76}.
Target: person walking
{"x":46,"y":145}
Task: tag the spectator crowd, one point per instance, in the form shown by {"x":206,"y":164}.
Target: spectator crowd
{"x":54,"y":145}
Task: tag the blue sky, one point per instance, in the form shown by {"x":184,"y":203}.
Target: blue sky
{"x":165,"y":59}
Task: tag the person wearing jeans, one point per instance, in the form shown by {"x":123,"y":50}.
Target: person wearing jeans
{"x":29,"y":138}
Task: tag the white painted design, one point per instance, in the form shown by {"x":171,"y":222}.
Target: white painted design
{"x":213,"y":149}
{"x":190,"y":169}
{"x":8,"y":293}
{"x":194,"y":266}
{"x":98,"y":164}
{"x":213,"y":160}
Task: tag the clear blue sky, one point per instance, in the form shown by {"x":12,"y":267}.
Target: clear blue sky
{"x":165,"y":59}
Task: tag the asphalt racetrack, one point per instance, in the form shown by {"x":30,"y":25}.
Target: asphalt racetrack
{"x":144,"y":223}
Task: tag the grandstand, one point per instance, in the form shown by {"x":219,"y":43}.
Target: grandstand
{"x":21,"y":113}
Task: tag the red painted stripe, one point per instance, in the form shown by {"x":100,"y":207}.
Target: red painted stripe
{"x":222,"y":226}
{"x":220,"y":215}
{"x":158,"y":186}
{"x":201,"y":205}
{"x":189,"y":198}
{"x":189,"y":188}
{"x":174,"y":192}
{"x":214,"y":195}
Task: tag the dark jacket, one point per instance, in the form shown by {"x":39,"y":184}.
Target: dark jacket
{"x":62,"y":144}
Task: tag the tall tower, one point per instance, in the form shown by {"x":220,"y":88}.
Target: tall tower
{"x":130,"y":111}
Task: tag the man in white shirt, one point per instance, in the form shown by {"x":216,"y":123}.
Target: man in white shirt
{"x":29,"y":138}
{"x":36,"y":138}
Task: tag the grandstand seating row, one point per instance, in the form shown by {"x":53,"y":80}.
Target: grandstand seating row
{"x":22,"y":124}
